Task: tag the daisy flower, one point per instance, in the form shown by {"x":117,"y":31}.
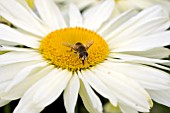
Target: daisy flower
{"x":120,"y":59}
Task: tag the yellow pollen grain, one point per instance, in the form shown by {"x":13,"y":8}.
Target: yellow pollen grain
{"x":53,"y":50}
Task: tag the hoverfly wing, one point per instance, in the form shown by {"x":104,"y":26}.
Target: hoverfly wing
{"x":88,"y":44}
{"x":72,"y":46}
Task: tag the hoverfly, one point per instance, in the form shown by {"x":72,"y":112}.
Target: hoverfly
{"x":80,"y":49}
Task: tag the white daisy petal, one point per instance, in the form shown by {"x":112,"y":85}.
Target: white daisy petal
{"x":151,"y":12}
{"x":14,"y":69}
{"x":75,"y":16}
{"x":141,"y":29}
{"x":24,"y":73}
{"x":161,"y":96}
{"x":17,"y":56}
{"x":90,"y":99}
{"x":9,"y":48}
{"x":145,"y":3}
{"x":163,"y":27}
{"x":71,"y":94}
{"x":99,"y":86}
{"x":90,"y":11}
{"x":159,"y":66}
{"x":56,"y":82}
{"x":142,"y":17}
{"x":50,"y":13}
{"x":22,"y":25}
{"x":152,"y":53}
{"x":127,"y":109}
{"x":140,"y":43}
{"x":27,"y":21}
{"x":11,"y":35}
{"x":112,"y":25}
{"x":4,"y":102}
{"x":4,"y":42}
{"x":40,"y":95}
{"x":167,"y":63}
{"x":148,"y":77}
{"x":18,"y":90}
{"x":132,"y":94}
{"x":28,"y":108}
{"x":96,"y":20}
{"x":3,"y":85}
{"x":126,"y":57}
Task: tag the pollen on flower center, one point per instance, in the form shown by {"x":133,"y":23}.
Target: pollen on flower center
{"x":53,"y":49}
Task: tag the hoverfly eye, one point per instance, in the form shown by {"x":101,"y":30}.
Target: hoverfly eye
{"x":86,"y":54}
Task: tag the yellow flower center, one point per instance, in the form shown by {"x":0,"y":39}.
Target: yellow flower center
{"x":59,"y":47}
